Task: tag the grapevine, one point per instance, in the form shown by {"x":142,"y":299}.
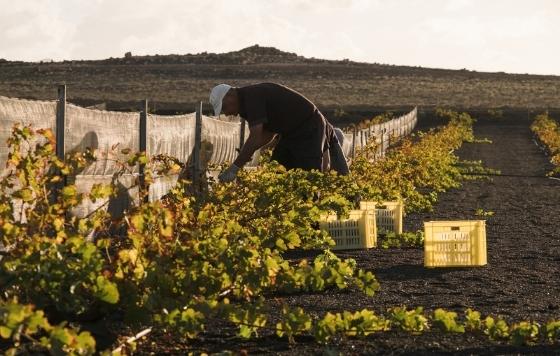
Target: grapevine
{"x":187,"y":261}
{"x":548,"y":132}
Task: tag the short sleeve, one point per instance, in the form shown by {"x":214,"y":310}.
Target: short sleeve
{"x":255,"y":106}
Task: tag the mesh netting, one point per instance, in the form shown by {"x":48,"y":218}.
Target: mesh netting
{"x":40,"y":114}
{"x":108,"y":133}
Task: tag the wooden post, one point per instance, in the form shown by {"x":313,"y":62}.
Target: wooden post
{"x":60,"y":134}
{"x":377,"y":147}
{"x":143,"y":143}
{"x":354,"y":143}
{"x":361,"y":138}
{"x":60,"y":121}
{"x":197,"y":146}
{"x":383,"y":142}
{"x":241,"y":134}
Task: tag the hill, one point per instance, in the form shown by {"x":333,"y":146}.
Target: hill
{"x":175,"y":82}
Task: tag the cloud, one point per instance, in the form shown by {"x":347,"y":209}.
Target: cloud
{"x":30,"y":28}
{"x":496,"y":35}
{"x":458,"y":5}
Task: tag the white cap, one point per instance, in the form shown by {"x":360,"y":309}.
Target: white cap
{"x":217,"y":95}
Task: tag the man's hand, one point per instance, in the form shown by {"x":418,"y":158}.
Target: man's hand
{"x":258,"y":137}
{"x":229,"y":174}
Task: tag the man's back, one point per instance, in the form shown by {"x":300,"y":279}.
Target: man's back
{"x":281,"y":109}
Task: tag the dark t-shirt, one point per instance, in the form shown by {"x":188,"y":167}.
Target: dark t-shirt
{"x":281,"y":109}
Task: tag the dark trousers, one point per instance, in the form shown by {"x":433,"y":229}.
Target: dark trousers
{"x":338,"y":160}
{"x":305,"y":148}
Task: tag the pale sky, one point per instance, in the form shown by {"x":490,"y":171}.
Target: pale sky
{"x":520,"y":36}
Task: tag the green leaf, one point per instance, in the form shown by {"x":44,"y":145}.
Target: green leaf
{"x":292,"y":239}
{"x":100,"y":191}
{"x":69,"y":191}
{"x":245,"y":331}
{"x":524,"y":333}
{"x":137,"y":222}
{"x":367,"y":282}
{"x":447,"y":321}
{"x":552,"y":330}
{"x":281,"y":245}
{"x":36,"y":322}
{"x":85,"y":343}
{"x":5,"y":332}
{"x":143,"y":159}
{"x":59,"y":337}
{"x":472,"y":320}
{"x":25,"y":194}
{"x":106,"y":291}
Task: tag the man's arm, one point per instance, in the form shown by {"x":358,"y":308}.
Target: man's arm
{"x":258,"y":137}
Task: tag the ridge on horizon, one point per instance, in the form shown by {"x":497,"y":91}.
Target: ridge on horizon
{"x":255,"y":54}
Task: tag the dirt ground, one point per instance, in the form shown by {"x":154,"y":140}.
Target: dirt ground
{"x":520,"y":282}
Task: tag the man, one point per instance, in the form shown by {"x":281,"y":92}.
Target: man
{"x":306,"y":141}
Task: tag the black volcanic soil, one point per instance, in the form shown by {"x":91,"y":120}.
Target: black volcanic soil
{"x":520,"y":282}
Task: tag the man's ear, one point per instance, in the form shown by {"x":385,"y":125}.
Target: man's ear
{"x":232,"y":95}
{"x":232,"y":99}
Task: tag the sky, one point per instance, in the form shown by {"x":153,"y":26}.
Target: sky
{"x":518,"y":36}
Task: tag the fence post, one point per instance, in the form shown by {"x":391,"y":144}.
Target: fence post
{"x":241,"y":134}
{"x":143,"y":143}
{"x":376,"y":139}
{"x":60,"y":121}
{"x":361,"y":138}
{"x":197,"y":146}
{"x":383,"y":130}
{"x":354,"y":143}
{"x":60,"y":134}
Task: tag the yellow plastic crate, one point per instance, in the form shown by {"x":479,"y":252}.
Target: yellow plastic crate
{"x":358,"y":231}
{"x":388,"y":215}
{"x":455,"y":243}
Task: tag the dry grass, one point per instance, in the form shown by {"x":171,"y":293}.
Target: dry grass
{"x":175,"y":83}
